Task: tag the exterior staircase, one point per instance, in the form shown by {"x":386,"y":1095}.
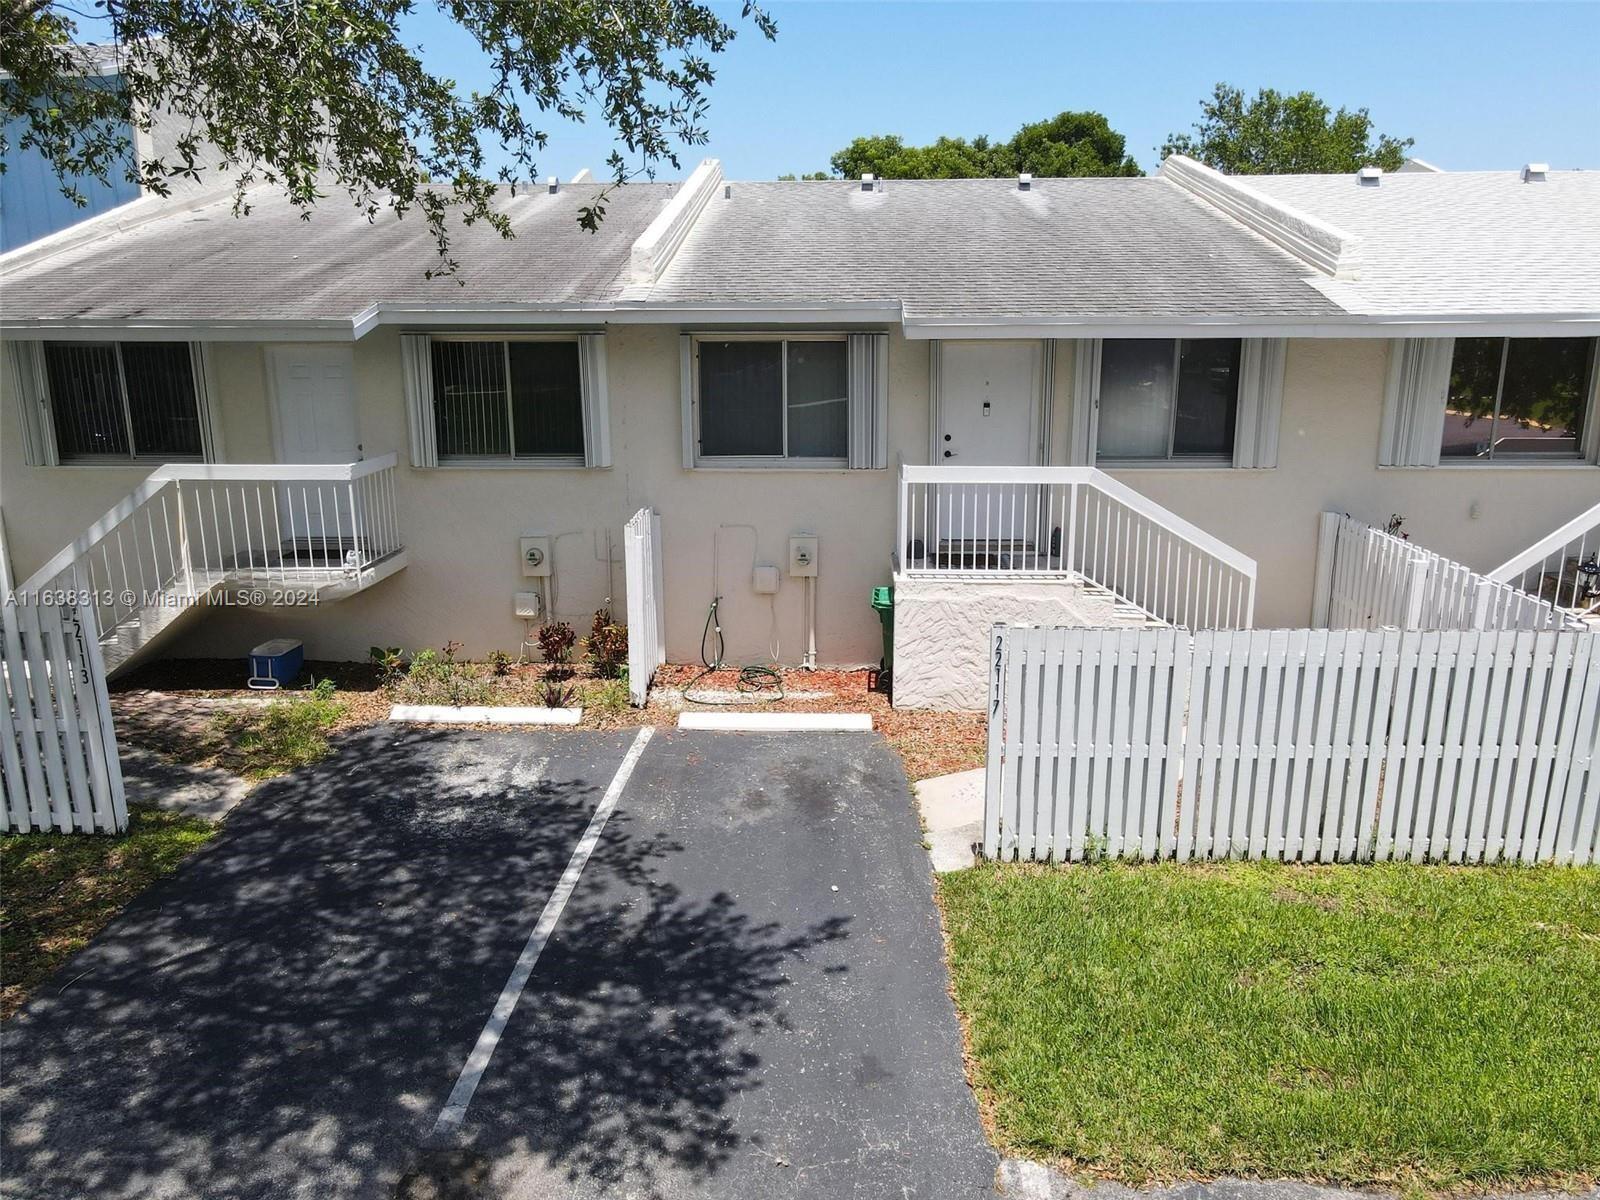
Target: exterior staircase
{"x":262,"y":534}
{"x":1562,"y":568}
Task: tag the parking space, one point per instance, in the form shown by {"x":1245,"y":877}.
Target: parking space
{"x":744,"y":994}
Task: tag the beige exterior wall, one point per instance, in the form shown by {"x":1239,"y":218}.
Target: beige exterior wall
{"x":462,"y":524}
{"x":1327,"y":459}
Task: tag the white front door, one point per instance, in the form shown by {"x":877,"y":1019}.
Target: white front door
{"x":314,"y":404}
{"x":990,"y":395}
{"x":987,"y":413}
{"x":314,"y":421}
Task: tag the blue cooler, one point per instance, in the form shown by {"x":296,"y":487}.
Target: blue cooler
{"x":276,"y":664}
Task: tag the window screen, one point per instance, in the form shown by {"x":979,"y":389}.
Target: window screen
{"x":819,"y":401}
{"x":507,"y":399}
{"x":123,"y":400}
{"x":1161,"y":398}
{"x":741,"y":399}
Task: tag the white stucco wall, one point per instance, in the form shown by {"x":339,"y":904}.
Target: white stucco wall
{"x":462,"y":525}
{"x":942,"y":626}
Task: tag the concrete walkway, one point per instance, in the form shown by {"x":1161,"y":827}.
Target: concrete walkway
{"x":952,"y":817}
{"x":1020,"y":1179}
{"x":199,"y":791}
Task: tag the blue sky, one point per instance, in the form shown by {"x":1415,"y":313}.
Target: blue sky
{"x":1479,"y":86}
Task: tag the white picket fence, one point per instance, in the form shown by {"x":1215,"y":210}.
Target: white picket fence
{"x":641,"y":553}
{"x":1369,"y":579}
{"x":1296,"y":745}
{"x":58,"y":753}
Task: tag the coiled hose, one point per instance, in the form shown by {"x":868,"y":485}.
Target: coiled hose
{"x":758,"y":682}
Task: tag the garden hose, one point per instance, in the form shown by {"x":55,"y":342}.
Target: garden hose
{"x":758,"y":682}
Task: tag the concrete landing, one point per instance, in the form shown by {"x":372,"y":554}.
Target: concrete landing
{"x":952,"y":814}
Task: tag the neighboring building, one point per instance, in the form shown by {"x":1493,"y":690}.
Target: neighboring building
{"x":757,"y":360}
{"x":32,"y":202}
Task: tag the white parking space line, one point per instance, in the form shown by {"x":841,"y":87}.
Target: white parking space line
{"x":455,"y":1108}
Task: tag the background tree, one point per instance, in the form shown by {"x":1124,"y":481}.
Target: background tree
{"x":1071,"y":143}
{"x":308,"y":96}
{"x":1275,"y":134}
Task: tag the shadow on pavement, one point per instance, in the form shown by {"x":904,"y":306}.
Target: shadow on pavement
{"x":285,"y":1015}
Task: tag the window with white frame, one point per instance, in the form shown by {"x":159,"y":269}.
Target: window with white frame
{"x":508,"y":398}
{"x":1518,"y":398}
{"x":773,"y":400}
{"x":123,"y":400}
{"x":1167,"y":399}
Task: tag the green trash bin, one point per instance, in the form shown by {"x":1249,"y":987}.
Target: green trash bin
{"x":883,"y":604}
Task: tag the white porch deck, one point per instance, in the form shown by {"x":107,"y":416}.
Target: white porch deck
{"x":195,"y":534}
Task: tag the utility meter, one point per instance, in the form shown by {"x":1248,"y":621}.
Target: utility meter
{"x":536,"y":556}
{"x":803,"y":556}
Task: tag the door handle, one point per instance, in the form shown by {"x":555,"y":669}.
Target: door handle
{"x":949,"y":453}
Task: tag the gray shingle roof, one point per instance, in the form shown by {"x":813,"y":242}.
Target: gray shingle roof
{"x":980,"y":250}
{"x":1467,"y":243}
{"x":984,"y":248}
{"x":272,"y":265}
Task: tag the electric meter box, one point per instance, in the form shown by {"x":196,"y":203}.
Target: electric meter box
{"x":536,"y":556}
{"x":803,"y":556}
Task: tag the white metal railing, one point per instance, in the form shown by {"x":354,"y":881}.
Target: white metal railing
{"x":190,"y":526}
{"x":1370,"y":579}
{"x":1563,"y":568}
{"x":1022,"y":522}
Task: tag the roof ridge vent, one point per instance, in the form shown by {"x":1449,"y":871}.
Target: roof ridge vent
{"x":1329,"y":249}
{"x":654,"y":248}
{"x":1025,"y":182}
{"x":1535,"y":172}
{"x":1369,"y":176}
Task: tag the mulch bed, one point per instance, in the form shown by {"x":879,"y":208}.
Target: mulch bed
{"x":170,"y":706}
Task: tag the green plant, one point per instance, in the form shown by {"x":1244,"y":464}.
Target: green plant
{"x":609,"y":697}
{"x":288,"y":733}
{"x":391,"y":663}
{"x":608,"y":645}
{"x":558,"y":695}
{"x":436,"y":677}
{"x":556,"y":641}
{"x":500,"y":663}
{"x":62,"y":888}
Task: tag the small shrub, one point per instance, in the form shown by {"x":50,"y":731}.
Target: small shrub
{"x":609,"y":698}
{"x":499,"y":663}
{"x":608,"y":645}
{"x":556,"y":641}
{"x":391,"y":664}
{"x":436,"y":677}
{"x":558,"y":695}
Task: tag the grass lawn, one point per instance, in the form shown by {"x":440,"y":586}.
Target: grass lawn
{"x":57,"y":890}
{"x":1375,"y":1024}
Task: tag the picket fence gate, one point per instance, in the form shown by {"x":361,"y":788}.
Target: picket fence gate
{"x":1295,"y":745}
{"x":1367,"y":578}
{"x":641,"y":553}
{"x":58,"y":752}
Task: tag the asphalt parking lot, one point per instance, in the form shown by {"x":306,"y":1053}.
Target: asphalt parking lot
{"x":742,"y":995}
